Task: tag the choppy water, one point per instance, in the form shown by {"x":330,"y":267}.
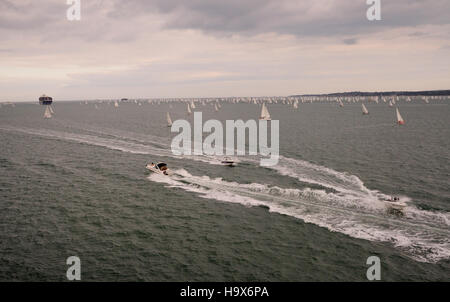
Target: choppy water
{"x":76,"y":185}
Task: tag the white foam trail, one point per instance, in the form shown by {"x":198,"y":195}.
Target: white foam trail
{"x":114,"y":144}
{"x":423,"y":235}
{"x":351,"y":208}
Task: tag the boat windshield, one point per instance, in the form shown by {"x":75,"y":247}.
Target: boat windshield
{"x":161,"y":166}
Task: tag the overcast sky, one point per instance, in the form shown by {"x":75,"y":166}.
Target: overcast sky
{"x":202,"y":48}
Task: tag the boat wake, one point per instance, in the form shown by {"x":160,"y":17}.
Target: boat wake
{"x":420,"y":234}
{"x":341,"y":204}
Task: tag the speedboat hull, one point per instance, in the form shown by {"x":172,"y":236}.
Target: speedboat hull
{"x":153,"y":169}
{"x":228,"y":163}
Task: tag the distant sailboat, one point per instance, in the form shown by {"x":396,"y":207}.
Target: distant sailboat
{"x":265,"y":115}
{"x":169,"y":120}
{"x":189,"y":111}
{"x":116,"y":104}
{"x":216,"y":108}
{"x":47,"y":113}
{"x":400,"y":120}
{"x":390,"y":104}
{"x":341,"y":104}
{"x":364,"y":110}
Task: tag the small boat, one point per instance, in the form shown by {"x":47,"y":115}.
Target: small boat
{"x":160,"y":168}
{"x":364,"y":110}
{"x":47,"y":113}
{"x":189,"y":111}
{"x":395,"y":206}
{"x":265,"y":115}
{"x":228,"y":162}
{"x":169,"y":120}
{"x":400,"y":120}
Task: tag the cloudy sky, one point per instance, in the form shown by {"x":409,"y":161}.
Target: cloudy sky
{"x":202,"y":48}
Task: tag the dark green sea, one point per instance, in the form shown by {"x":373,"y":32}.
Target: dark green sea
{"x":76,"y":184}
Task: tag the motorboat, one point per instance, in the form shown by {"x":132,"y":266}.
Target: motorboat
{"x":228,"y":162}
{"x":395,"y":206}
{"x":160,"y":168}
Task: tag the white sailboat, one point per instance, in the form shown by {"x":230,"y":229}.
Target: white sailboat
{"x":116,"y":104}
{"x":169,"y":120}
{"x":364,"y":110}
{"x":47,"y":113}
{"x":341,"y":104}
{"x":400,"y":120}
{"x":189,"y":111}
{"x":216,"y":108}
{"x":265,"y":115}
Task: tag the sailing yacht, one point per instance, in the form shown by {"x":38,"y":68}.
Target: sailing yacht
{"x":47,"y":113}
{"x":400,"y":120}
{"x":189,"y":111}
{"x":169,"y":120}
{"x":216,"y":108}
{"x":265,"y":115}
{"x":364,"y":110}
{"x":116,"y":104}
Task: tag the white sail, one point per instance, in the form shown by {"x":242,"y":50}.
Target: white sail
{"x":189,"y":109}
{"x":216,"y":108}
{"x":47,"y":113}
{"x":341,"y":104}
{"x":364,"y":109}
{"x":390,"y":104}
{"x":192,"y":105}
{"x":116,"y":104}
{"x":169,"y":120}
{"x":400,"y":120}
{"x":265,"y":115}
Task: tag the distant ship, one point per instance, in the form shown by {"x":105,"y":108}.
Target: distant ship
{"x":45,"y":100}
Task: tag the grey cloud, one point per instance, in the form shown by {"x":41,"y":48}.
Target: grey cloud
{"x":344,"y":19}
{"x":350,"y":41}
{"x":300,"y":18}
